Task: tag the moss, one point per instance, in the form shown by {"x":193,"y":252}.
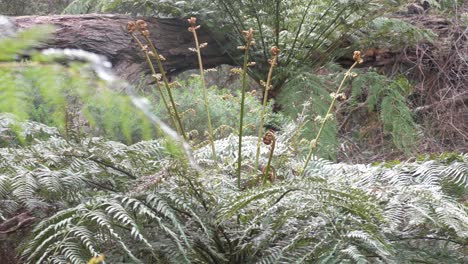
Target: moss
{"x":445,"y":157}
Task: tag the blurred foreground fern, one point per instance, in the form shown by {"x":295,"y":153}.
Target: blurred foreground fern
{"x":54,"y":93}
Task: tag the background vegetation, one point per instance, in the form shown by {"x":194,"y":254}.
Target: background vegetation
{"x":88,"y":166}
{"x":39,"y":7}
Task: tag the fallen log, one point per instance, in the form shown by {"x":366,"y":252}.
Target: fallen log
{"x":106,"y":34}
{"x":13,"y":224}
{"x":10,"y":231}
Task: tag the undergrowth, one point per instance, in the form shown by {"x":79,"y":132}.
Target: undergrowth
{"x":162,"y":200}
{"x":135,"y":204}
{"x":313,"y":34}
{"x":224,"y":110}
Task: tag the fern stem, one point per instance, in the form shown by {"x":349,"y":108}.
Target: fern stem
{"x":241,"y":122}
{"x":314,"y":142}
{"x":259,"y":25}
{"x":168,"y":88}
{"x":205,"y":98}
{"x":270,"y":157}
{"x":265,"y":100}
{"x":153,"y":71}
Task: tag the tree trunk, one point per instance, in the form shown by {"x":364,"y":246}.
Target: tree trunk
{"x":107,"y":35}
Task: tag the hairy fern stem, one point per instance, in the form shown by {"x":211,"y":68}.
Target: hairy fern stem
{"x":193,"y":28}
{"x":273,"y":63}
{"x":269,"y":139}
{"x":168,"y":87}
{"x":314,"y":142}
{"x":153,"y":72}
{"x":249,"y":42}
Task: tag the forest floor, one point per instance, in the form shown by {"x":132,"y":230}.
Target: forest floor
{"x":439,"y":74}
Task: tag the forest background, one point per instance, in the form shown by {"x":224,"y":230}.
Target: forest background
{"x":342,"y":160}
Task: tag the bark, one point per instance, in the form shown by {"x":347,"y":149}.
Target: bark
{"x":107,"y":35}
{"x":12,"y":231}
{"x":13,"y":224}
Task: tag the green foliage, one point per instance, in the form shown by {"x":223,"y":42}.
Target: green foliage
{"x":86,"y":6}
{"x":224,"y":110}
{"x":390,"y":33}
{"x":71,"y":97}
{"x":10,"y":48}
{"x":306,"y":97}
{"x":27,"y":7}
{"x":167,"y":8}
{"x":388,"y":97}
{"x":337,"y":212}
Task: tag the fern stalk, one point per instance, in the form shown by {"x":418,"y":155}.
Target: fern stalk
{"x":249,"y":42}
{"x":269,"y":139}
{"x":193,"y":28}
{"x":253,"y":5}
{"x":168,"y":87}
{"x":153,"y":72}
{"x":314,"y":142}
{"x":273,"y":62}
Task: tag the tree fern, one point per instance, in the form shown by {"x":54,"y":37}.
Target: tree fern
{"x":337,"y":212}
{"x":144,"y":203}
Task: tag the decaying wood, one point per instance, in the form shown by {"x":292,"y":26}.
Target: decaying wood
{"x":106,"y":35}
{"x":10,"y":231}
{"x":17,"y":222}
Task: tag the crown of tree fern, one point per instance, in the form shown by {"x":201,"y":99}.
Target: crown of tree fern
{"x":336,"y":212}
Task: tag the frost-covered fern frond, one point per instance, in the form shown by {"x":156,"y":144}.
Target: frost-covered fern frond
{"x":146,"y":228}
{"x":303,"y":220}
{"x":421,"y":203}
{"x":415,"y":204}
{"x":53,"y":170}
{"x":337,"y":212}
